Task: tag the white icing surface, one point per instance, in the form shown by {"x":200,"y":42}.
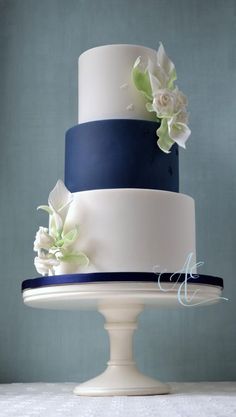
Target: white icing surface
{"x":106,"y":89}
{"x":124,"y":230}
{"x":203,"y":399}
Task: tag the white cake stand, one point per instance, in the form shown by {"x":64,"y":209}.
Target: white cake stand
{"x":120,"y":303}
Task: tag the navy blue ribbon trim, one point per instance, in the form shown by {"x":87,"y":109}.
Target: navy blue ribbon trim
{"x":119,"y":277}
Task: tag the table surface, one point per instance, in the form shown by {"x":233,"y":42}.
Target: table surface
{"x":205,"y":399}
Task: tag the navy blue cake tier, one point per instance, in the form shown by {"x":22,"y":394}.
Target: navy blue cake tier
{"x":118,"y":154}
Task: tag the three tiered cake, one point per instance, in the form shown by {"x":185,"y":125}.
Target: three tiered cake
{"x":121,"y":205}
{"x":119,"y":223}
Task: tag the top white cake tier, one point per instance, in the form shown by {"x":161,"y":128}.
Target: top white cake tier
{"x":106,"y":89}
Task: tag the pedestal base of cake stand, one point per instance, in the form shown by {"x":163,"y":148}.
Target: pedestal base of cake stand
{"x":121,"y":376}
{"x":120,"y":304}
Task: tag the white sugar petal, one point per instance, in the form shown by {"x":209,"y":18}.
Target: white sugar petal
{"x":60,"y":196}
{"x":164,"y":61}
{"x":155,"y":84}
{"x":178,"y":132}
{"x":59,"y":201}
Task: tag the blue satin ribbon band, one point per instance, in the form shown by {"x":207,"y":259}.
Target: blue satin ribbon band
{"x":119,"y":277}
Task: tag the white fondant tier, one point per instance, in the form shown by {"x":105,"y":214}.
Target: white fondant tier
{"x":106,"y":89}
{"x":131,"y":230}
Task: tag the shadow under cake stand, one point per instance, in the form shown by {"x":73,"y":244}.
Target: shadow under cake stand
{"x":120,"y":298}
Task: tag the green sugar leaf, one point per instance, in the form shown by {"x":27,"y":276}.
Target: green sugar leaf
{"x":141,"y":80}
{"x":164,"y":141}
{"x":173,"y":77}
{"x":70,"y":236}
{"x":79,"y":258}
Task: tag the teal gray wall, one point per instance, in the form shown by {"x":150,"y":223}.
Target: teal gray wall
{"x":39,"y":45}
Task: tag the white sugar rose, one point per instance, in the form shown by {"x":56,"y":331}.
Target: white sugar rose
{"x":164,"y":103}
{"x":45,"y":264}
{"x":181,"y":100}
{"x":54,"y":244}
{"x":156,"y":81}
{"x":43,"y":240}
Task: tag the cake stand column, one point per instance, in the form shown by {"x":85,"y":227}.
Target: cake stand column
{"x":121,"y":376}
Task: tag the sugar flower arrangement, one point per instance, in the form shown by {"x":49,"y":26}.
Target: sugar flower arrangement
{"x":156,"y":80}
{"x":53,"y":245}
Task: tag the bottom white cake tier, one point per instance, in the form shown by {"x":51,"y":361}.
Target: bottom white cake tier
{"x":131,"y":230}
